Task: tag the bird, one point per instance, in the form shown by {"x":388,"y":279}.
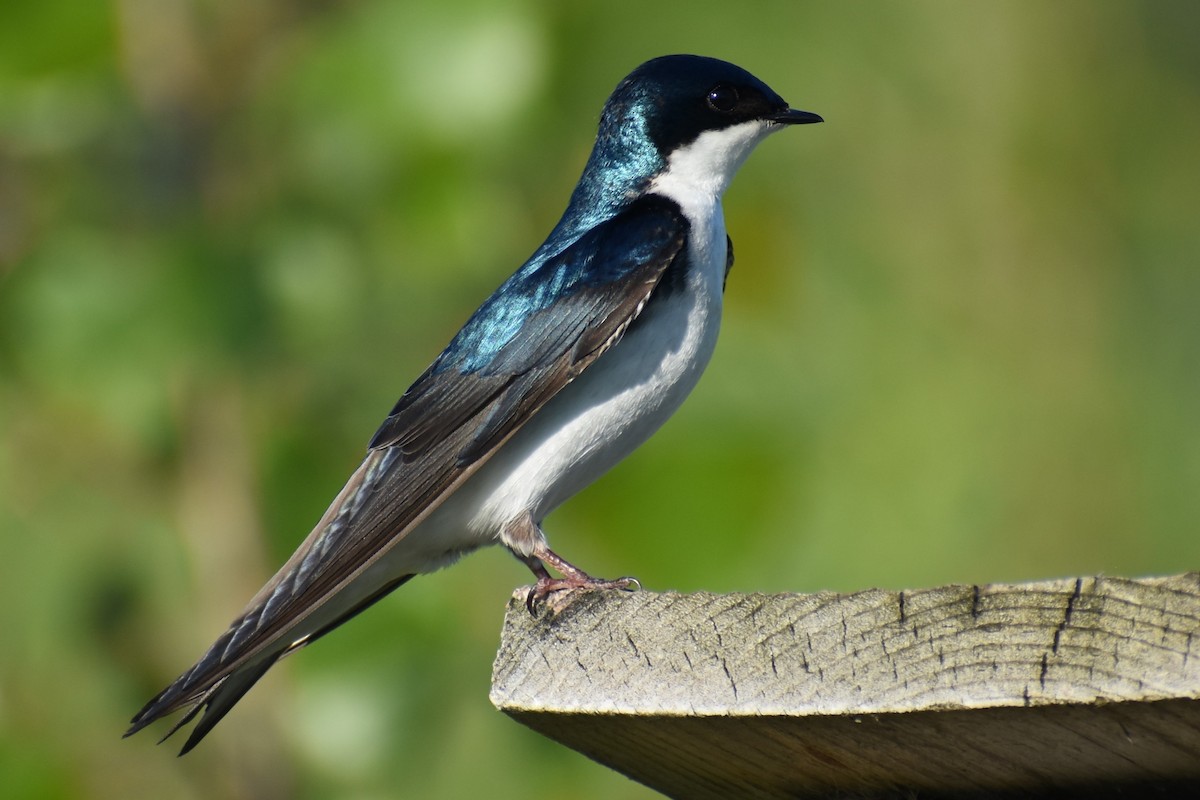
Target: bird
{"x":574,"y":361}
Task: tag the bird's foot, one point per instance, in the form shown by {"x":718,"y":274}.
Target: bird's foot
{"x":572,"y":578}
{"x":547,"y":585}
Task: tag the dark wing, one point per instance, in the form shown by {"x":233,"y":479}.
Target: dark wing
{"x":535,"y":335}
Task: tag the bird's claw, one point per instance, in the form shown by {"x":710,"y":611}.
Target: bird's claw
{"x":547,"y":586}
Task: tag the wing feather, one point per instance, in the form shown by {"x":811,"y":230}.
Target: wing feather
{"x":444,"y":427}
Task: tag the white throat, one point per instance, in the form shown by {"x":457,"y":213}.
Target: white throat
{"x":708,"y":164}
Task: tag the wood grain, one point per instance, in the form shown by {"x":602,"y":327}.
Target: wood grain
{"x":1080,"y":687}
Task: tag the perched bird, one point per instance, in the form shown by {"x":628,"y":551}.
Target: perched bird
{"x":571,"y":364}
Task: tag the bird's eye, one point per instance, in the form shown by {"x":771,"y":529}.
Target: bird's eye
{"x":722,"y":98}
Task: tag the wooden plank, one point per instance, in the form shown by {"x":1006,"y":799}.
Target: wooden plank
{"x":1062,"y":688}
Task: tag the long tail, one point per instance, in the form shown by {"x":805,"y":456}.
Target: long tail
{"x":215,"y":690}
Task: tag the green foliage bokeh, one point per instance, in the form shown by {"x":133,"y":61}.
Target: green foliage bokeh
{"x":961,"y":341}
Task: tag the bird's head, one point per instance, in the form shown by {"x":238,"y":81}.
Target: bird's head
{"x":697,"y":116}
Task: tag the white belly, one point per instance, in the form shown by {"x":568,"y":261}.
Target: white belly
{"x":598,"y":419}
{"x":614,"y":406}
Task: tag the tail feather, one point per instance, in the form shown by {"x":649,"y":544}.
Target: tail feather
{"x":214,"y":692}
{"x":215,"y":702}
{"x":219,"y":700}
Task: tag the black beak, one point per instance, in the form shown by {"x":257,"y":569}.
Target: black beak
{"x":792,"y":116}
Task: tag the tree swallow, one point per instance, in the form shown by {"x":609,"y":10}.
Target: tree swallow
{"x":570,"y":365}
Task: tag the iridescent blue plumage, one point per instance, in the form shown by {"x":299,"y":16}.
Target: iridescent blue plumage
{"x":654,"y":110}
{"x":622,"y":163}
{"x":573,"y":362}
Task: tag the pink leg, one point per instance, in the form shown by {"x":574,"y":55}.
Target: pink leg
{"x":572,"y":577}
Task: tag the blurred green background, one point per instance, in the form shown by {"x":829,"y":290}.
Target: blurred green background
{"x":962,"y":341}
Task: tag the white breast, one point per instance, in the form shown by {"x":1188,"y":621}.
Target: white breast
{"x":618,"y":402}
{"x":626,"y":395}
